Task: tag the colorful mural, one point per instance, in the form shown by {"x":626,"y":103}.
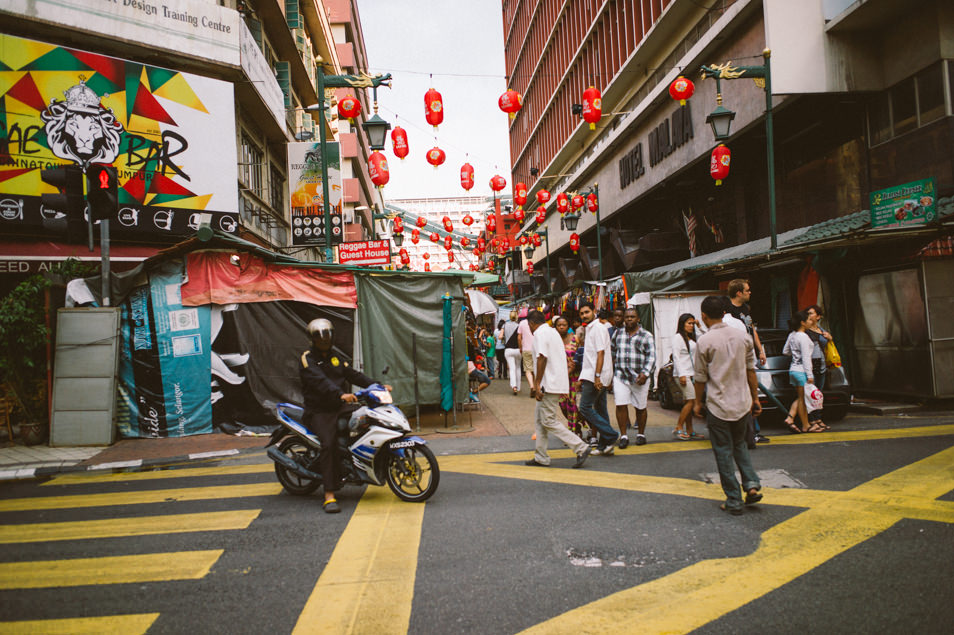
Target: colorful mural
{"x":171,"y":136}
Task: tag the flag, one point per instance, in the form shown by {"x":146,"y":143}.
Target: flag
{"x":690,"y":221}
{"x":716,"y":230}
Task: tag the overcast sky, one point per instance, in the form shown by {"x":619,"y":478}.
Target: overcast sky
{"x":461,"y":44}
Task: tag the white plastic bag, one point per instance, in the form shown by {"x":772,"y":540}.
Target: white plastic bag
{"x":814,"y":399}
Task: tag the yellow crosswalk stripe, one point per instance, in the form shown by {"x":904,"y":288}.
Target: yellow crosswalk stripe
{"x":118,"y":527}
{"x":125,"y":624}
{"x":368,"y":585}
{"x":141,"y":497}
{"x":82,"y":478}
{"x":153,"y":567}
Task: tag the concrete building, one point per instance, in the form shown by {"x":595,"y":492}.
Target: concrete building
{"x":861,"y":97}
{"x":211,"y":102}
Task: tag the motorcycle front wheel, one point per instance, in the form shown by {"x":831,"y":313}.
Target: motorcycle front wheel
{"x":412,"y":473}
{"x":297,"y":450}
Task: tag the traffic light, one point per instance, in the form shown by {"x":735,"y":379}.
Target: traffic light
{"x":69,"y":201}
{"x":101,"y":191}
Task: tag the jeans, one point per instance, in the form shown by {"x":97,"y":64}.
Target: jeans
{"x":593,"y":409}
{"x":501,"y":363}
{"x":728,"y":445}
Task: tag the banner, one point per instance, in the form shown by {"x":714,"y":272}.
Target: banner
{"x":307,"y":196}
{"x":170,"y":135}
{"x":368,"y":252}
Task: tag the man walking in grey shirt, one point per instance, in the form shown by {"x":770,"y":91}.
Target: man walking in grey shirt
{"x":725,"y":374}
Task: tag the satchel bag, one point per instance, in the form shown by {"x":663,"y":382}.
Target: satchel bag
{"x":832,"y":358}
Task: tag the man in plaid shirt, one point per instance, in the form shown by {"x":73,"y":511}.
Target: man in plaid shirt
{"x":634,"y":355}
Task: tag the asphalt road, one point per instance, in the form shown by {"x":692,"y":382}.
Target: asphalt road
{"x":856,"y":534}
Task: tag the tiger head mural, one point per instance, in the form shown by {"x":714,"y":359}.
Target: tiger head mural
{"x":80,"y":128}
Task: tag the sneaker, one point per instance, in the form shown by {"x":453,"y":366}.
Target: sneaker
{"x":581,"y":457}
{"x":608,"y":450}
{"x":535,"y":463}
{"x":473,"y":398}
{"x":640,"y":439}
{"x":752,"y":497}
{"x":623,"y":442}
{"x":760,"y":439}
{"x":593,"y":442}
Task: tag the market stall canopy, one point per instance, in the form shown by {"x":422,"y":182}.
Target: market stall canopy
{"x":481,"y":303}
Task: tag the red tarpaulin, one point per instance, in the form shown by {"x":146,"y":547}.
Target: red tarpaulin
{"x":213,"y":279}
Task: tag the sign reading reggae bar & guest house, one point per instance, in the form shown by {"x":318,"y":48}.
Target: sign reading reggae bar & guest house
{"x":307,"y":195}
{"x":368,"y":252}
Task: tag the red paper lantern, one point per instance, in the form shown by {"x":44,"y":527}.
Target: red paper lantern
{"x":434,"y":237}
{"x":481,"y":243}
{"x":477,"y":252}
{"x":530,"y":268}
{"x":519,"y":214}
{"x":577,"y":202}
{"x":448,"y":225}
{"x":378,"y":169}
{"x":436,"y":156}
{"x":541,"y":215}
{"x":421,"y":221}
{"x":467,"y":176}
{"x":574,"y":242}
{"x":510,"y":102}
{"x":520,"y":194}
{"x":543,"y":197}
{"x":719,"y":163}
{"x":563,"y":203}
{"x":398,"y":225}
{"x":505,"y":244}
{"x":465,"y":242}
{"x":450,"y":256}
{"x":427,"y":266}
{"x":426,"y":256}
{"x":448,"y":242}
{"x":497,"y":183}
{"x":399,"y":142}
{"x":467,"y":220}
{"x":405,"y":257}
{"x":592,"y":106}
{"x":349,"y":107}
{"x":415,"y":235}
{"x":495,"y":243}
{"x":433,"y":107}
{"x":523,"y":240}
{"x":536,"y":240}
{"x":592,"y":203}
{"x":492,"y":223}
{"x":681,"y":89}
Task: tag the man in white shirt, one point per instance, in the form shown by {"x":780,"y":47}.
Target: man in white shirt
{"x":596,"y":377}
{"x":551,"y":382}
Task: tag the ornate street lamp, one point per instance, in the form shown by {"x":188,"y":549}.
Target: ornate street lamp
{"x":377,"y":131}
{"x":721,"y":120}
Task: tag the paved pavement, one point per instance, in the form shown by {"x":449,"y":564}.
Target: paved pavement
{"x":503,"y":422}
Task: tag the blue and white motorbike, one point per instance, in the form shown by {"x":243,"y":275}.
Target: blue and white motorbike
{"x":375,"y":446}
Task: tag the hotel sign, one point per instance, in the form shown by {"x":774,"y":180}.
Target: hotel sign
{"x":663,"y":140}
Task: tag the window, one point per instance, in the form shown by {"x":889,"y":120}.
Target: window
{"x":276,"y":189}
{"x":931,"y":93}
{"x":911,"y":103}
{"x":250,"y":167}
{"x":904,"y":110}
{"x":879,"y":119}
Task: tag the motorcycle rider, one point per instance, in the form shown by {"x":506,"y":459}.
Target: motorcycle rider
{"x":326,"y":382}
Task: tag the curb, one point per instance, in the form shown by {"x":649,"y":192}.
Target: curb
{"x":25,"y":473}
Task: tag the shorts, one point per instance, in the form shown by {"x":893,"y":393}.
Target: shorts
{"x":626,"y":394}
{"x":797,"y":378}
{"x":528,"y":362}
{"x":688,"y":391}
{"x":479,"y":376}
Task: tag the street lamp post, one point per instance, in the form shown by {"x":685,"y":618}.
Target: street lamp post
{"x":721,"y":118}
{"x":571,"y":220}
{"x":371,"y":127}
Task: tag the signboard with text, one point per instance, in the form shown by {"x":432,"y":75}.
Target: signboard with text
{"x":368,"y":252}
{"x":904,"y":205}
{"x":307,"y":194}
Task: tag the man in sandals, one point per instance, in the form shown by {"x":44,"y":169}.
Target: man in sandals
{"x":725,"y":375}
{"x":634,"y":355}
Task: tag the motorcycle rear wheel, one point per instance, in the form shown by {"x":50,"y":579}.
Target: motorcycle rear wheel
{"x":413,"y":474}
{"x":296,"y":450}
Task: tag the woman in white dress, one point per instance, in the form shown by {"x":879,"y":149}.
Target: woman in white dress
{"x":683,"y":356}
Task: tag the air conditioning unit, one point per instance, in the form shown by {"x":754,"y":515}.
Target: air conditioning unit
{"x":347,"y":216}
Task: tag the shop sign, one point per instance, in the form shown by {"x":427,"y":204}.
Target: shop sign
{"x":368,"y":252}
{"x":307,"y":194}
{"x":662,"y":141}
{"x":904,"y":205}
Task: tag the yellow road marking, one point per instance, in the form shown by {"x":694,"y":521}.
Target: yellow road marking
{"x":139,"y":526}
{"x":125,"y":624}
{"x":368,"y":585}
{"x":83,"y":478}
{"x":713,"y":588}
{"x":139,"y":498}
{"x":153,"y":567}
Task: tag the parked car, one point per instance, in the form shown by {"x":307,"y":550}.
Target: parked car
{"x":772,"y":377}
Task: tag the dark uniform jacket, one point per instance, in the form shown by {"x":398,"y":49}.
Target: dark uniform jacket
{"x":324,"y":378}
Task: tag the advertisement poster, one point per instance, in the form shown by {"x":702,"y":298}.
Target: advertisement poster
{"x":307,"y":197}
{"x":904,"y":205}
{"x":170,"y":135}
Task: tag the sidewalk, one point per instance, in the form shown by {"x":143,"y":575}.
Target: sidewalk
{"x":503,"y":421}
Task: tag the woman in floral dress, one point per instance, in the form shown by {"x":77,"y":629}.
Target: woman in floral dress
{"x":568,"y":404}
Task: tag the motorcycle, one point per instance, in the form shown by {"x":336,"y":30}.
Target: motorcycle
{"x":375,"y":446}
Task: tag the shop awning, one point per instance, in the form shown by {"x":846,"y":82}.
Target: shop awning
{"x":36,"y":256}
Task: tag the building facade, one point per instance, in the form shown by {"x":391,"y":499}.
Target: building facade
{"x":859,"y":105}
{"x":204,"y":106}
